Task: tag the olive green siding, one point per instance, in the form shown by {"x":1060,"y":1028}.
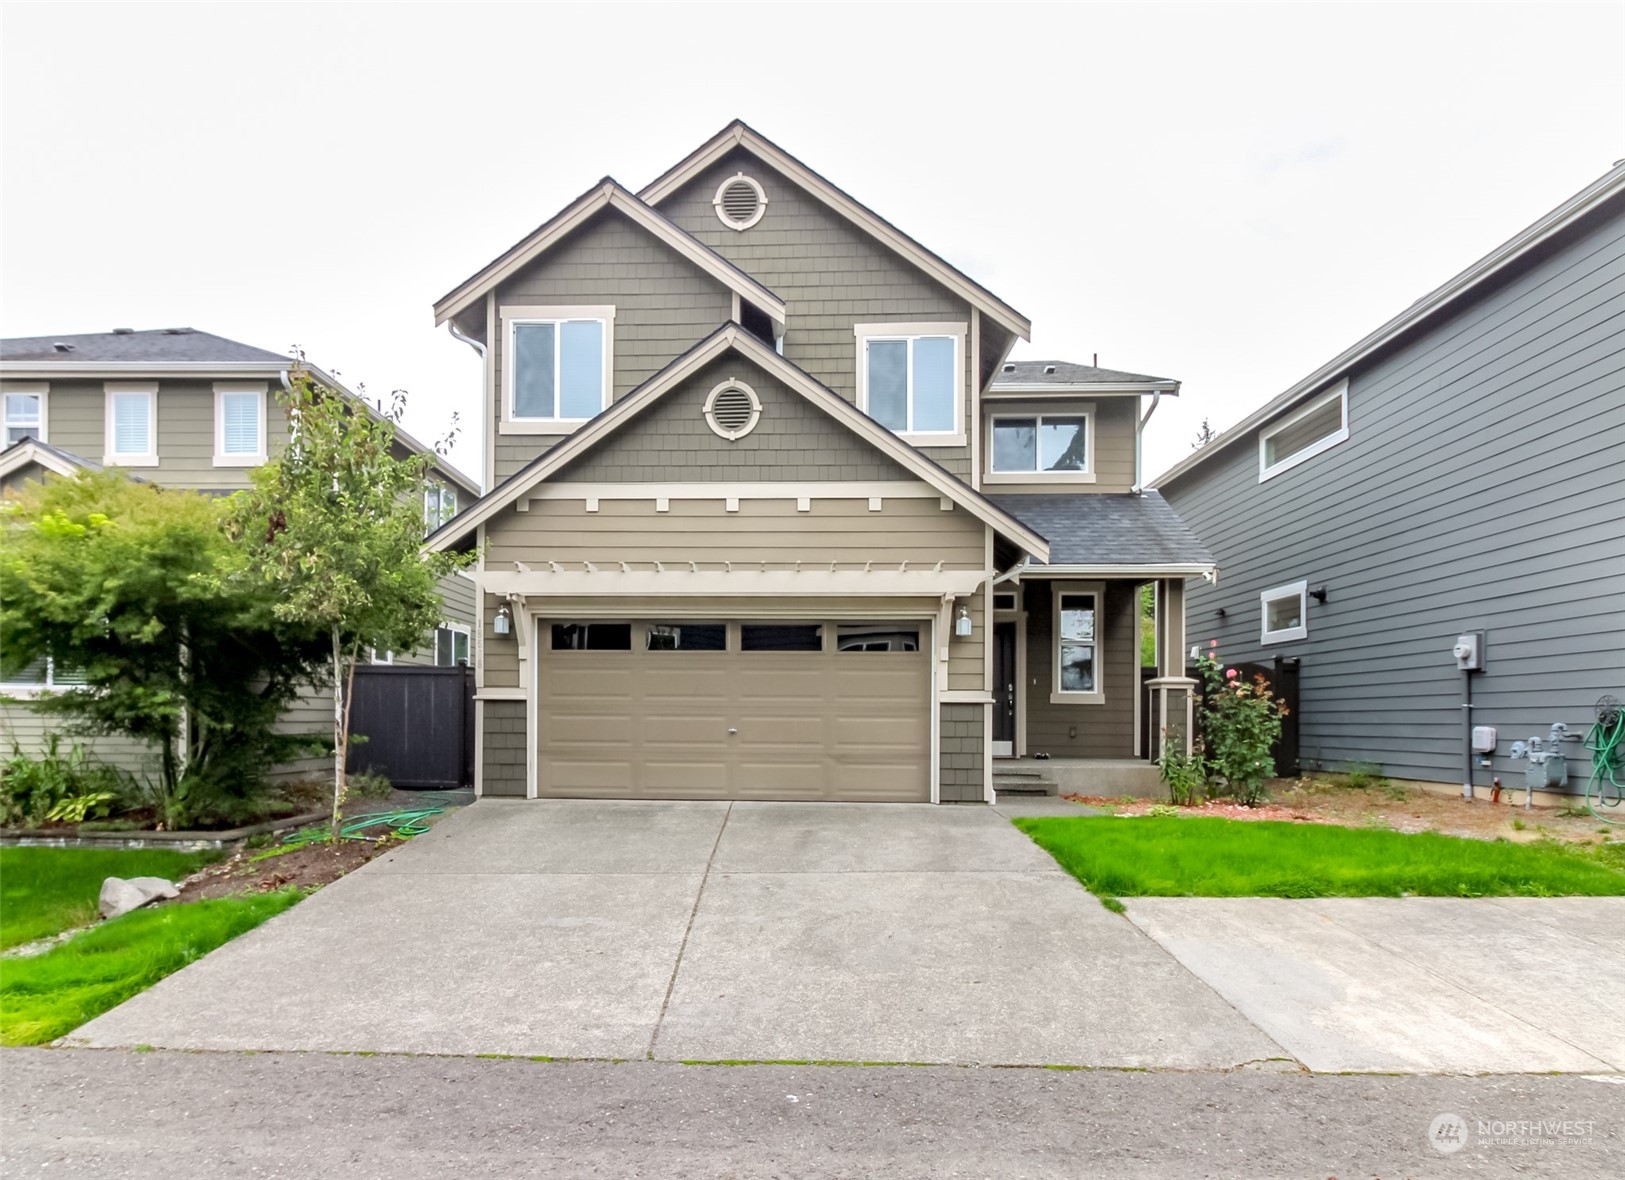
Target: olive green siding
{"x":1105,"y":730}
{"x":1114,"y":423}
{"x":672,"y":442}
{"x":76,"y":422}
{"x":28,"y":729}
{"x":502,"y":767}
{"x":962,"y":773}
{"x":664,"y":305}
{"x":830,"y":274}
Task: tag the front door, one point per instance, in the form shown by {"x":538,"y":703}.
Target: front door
{"x":1004,"y":689}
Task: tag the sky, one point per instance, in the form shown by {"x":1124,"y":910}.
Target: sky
{"x":1225,"y":194}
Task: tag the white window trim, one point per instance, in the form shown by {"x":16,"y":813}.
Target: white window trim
{"x":149,"y":458}
{"x":1340,"y":391}
{"x":384,"y":661}
{"x":761,"y":202}
{"x":1056,"y":695}
{"x":517,"y":314}
{"x":957,"y":331}
{"x":439,"y":491}
{"x":221,"y":457}
{"x":462,"y":629}
{"x":24,"y":690}
{"x":1084,"y":410}
{"x":1298,"y":590}
{"x":40,"y":389}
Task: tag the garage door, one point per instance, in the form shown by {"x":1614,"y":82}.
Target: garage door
{"x":731,"y":710}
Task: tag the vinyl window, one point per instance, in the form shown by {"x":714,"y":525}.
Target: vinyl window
{"x":42,"y":675}
{"x":239,"y":425}
{"x":132,"y":425}
{"x":1285,"y":613}
{"x":451,"y":645}
{"x":439,"y":506}
{"x":1043,"y":444}
{"x":910,"y":379}
{"x":557,"y":368}
{"x":1076,"y":617}
{"x":25,"y":416}
{"x":1319,"y":426}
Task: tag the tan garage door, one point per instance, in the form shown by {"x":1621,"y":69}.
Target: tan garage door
{"x":758,"y":710}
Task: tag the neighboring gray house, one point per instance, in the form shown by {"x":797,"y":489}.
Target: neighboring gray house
{"x":1459,"y":470}
{"x":180,"y":408}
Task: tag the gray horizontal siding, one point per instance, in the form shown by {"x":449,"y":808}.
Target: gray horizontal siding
{"x":1481,"y":488}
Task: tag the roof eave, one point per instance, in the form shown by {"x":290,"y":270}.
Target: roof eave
{"x":1169,"y":387}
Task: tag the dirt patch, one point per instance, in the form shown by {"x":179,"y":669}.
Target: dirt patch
{"x":1395,"y":806}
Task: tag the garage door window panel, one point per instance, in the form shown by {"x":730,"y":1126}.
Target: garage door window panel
{"x":878,"y":637}
{"x":781,"y":637}
{"x":685,"y":636}
{"x":592,"y":637}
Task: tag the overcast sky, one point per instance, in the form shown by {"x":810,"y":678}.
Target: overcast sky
{"x":1225,"y":194}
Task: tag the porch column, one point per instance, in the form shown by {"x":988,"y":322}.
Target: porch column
{"x":1173,"y":691}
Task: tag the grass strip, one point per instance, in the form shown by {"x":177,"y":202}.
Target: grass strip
{"x":47,"y":995}
{"x":1208,"y":857}
{"x":44,"y":891}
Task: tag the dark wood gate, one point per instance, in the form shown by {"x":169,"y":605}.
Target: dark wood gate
{"x":1283,"y":680}
{"x":418,"y":724}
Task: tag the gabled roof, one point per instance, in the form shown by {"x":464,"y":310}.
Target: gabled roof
{"x":739,"y":134}
{"x":732,"y":337}
{"x":1110,"y":532}
{"x":608,"y":194}
{"x":1022,"y":376}
{"x":127,"y":346}
{"x":1443,"y":299}
{"x":30,"y":450}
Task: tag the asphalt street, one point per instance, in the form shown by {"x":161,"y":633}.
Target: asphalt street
{"x":174,"y":1115}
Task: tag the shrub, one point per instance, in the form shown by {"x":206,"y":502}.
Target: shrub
{"x":1362,"y":776}
{"x":56,"y":787}
{"x":1241,"y":723}
{"x":1183,"y":774}
{"x":367,"y":785}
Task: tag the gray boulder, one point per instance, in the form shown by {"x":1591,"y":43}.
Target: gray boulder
{"x":120,"y":896}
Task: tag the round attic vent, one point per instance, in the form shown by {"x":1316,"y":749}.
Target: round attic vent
{"x":732,"y":410}
{"x":740,"y":202}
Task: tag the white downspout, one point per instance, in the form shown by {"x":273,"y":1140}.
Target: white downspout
{"x":485,"y":410}
{"x":1139,"y":434}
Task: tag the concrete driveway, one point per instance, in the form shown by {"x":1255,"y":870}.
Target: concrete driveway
{"x":703,"y":931}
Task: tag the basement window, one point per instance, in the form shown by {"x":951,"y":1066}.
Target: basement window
{"x":1285,"y":612}
{"x":1319,"y":426}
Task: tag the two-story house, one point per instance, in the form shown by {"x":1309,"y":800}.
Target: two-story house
{"x":1452,"y":478}
{"x":184,"y":409}
{"x":772,"y":516}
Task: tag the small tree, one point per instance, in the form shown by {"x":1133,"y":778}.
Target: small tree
{"x":335,"y":526}
{"x":1204,"y":435}
{"x":136,"y":592}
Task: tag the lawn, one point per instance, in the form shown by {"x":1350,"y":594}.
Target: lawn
{"x":1205,"y":857}
{"x":44,"y":891}
{"x":45,"y":996}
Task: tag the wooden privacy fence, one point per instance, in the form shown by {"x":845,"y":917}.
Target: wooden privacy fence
{"x":418,"y":724}
{"x":1282,"y":676}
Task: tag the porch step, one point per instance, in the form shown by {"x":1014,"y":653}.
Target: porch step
{"x":1021,"y":780}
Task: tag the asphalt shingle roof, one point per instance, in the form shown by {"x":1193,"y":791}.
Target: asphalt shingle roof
{"x":1067,"y":373}
{"x":151,"y":346}
{"x":1106,"y":528}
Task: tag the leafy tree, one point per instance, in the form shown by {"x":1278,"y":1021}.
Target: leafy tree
{"x":1148,"y":625}
{"x":335,"y":526}
{"x":138,"y":591}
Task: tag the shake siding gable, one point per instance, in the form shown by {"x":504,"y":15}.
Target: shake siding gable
{"x":830,"y":274}
{"x":1480,"y":489}
{"x":663,"y":305}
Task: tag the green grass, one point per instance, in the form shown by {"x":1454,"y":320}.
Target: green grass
{"x":1207,"y":857}
{"x":45,"y":996}
{"x":44,"y":891}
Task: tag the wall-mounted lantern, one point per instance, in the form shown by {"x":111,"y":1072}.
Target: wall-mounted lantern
{"x":962,"y":624}
{"x":503,"y":623}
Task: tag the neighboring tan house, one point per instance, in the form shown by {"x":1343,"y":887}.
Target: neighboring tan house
{"x":1458,"y":472}
{"x":772,"y":517}
{"x":179,"y":408}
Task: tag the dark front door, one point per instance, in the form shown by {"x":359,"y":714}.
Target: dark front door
{"x":1004,"y":688}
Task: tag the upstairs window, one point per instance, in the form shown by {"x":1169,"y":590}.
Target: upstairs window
{"x":558,"y":364}
{"x":910,"y":378}
{"x":439,"y":506}
{"x":239,"y":425}
{"x":1043,"y":444}
{"x":1319,"y":426}
{"x":25,"y":416}
{"x":1286,"y":613}
{"x":132,"y":425}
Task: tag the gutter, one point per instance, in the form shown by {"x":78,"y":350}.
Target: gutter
{"x":1139,"y":435}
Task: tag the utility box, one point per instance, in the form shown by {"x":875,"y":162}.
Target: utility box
{"x":1484,"y":739}
{"x":1469,"y":651}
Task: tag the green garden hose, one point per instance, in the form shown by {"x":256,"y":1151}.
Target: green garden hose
{"x":1606,"y":741}
{"x":412,"y":821}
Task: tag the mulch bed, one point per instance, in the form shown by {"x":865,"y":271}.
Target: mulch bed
{"x":1220,"y":808}
{"x":306,"y":867}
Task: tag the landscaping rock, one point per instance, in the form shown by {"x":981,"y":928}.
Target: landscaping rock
{"x":120,"y":896}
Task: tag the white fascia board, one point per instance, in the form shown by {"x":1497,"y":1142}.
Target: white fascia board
{"x":116,"y":370}
{"x":28,"y":451}
{"x":680,"y":582}
{"x":1168,"y":570}
{"x":1168,"y":387}
{"x":1486,"y":268}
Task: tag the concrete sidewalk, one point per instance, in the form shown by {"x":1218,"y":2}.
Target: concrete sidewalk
{"x":1424,"y":984}
{"x":703,"y":931}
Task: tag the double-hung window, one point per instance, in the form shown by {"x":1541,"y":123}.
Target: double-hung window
{"x":25,"y":414}
{"x":1048,"y":445}
{"x":239,"y":424}
{"x":1285,"y":612}
{"x":1076,"y":621}
{"x":439,"y":506}
{"x":557,"y":363}
{"x":911,"y":379}
{"x":1319,"y":426}
{"x":132,"y":424}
